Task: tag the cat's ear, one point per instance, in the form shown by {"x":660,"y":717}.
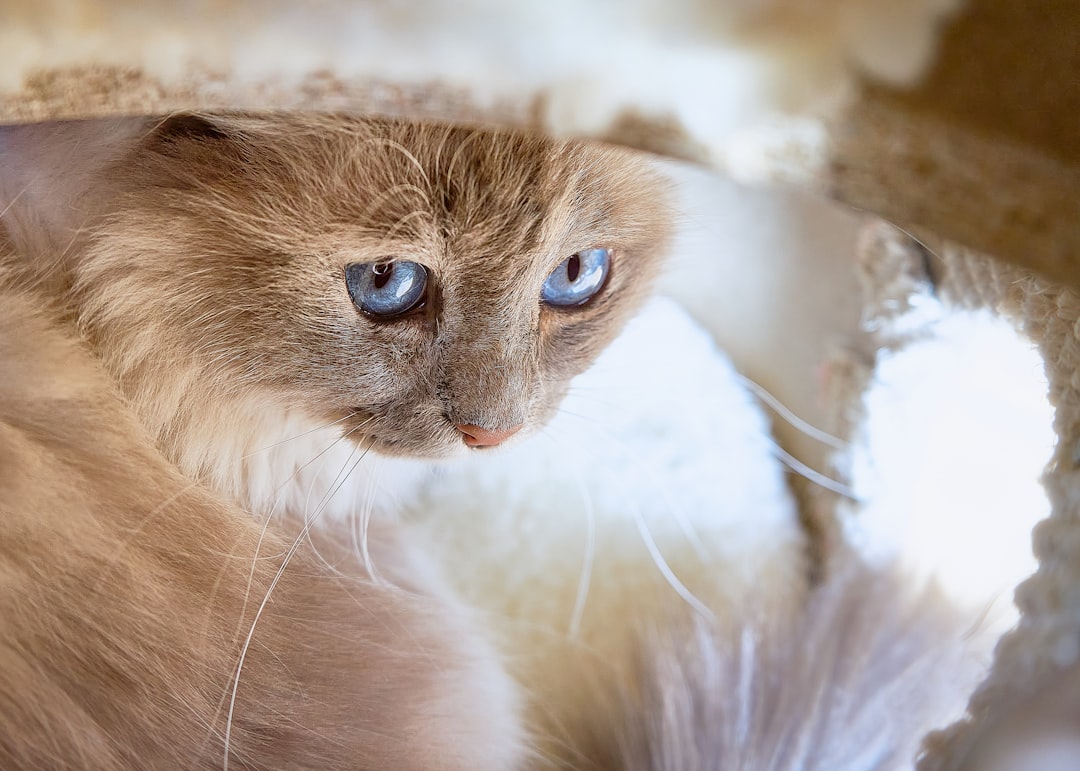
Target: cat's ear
{"x":189,"y":126}
{"x":196,"y":138}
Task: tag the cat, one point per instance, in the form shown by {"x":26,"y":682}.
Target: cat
{"x":185,"y":303}
{"x":194,"y":318}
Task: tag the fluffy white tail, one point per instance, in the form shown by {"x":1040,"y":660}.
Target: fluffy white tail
{"x":851,"y":681}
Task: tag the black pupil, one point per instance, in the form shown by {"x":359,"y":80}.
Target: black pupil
{"x":383,"y":271}
{"x":573,"y":268}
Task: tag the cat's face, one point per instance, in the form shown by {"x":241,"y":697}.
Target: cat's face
{"x":402,"y":279}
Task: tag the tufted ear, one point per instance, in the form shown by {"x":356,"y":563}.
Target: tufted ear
{"x":196,"y":137}
{"x":210,"y":144}
{"x":189,"y":126}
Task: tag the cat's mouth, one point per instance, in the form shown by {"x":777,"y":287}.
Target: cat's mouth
{"x":430,"y":439}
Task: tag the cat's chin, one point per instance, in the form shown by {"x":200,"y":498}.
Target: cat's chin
{"x":418,"y":449}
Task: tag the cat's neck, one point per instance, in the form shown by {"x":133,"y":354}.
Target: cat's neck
{"x":278,"y":462}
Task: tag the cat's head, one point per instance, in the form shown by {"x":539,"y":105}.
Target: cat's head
{"x":430,"y":287}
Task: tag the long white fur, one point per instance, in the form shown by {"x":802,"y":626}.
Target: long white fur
{"x":849,"y":679}
{"x":848,"y":682}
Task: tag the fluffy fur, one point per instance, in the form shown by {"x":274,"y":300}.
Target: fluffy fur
{"x":128,"y":595}
{"x":564,"y":541}
{"x":218,"y":255}
{"x":849,"y":680}
{"x":192,"y":269}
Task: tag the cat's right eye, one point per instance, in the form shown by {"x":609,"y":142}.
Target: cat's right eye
{"x":386,"y":289}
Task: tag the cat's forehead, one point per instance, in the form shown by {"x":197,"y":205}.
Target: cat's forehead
{"x":432,"y":192}
{"x":475,"y":189}
{"x":475,"y":176}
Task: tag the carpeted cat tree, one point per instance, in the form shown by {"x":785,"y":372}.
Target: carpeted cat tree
{"x":957,"y":123}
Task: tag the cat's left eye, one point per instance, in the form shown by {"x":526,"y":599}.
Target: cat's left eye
{"x":577,"y":279}
{"x":386,"y":289}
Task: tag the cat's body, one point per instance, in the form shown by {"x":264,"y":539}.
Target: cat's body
{"x":128,"y":594}
{"x":175,"y":316}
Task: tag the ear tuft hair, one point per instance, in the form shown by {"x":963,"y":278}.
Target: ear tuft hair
{"x":187,"y":126}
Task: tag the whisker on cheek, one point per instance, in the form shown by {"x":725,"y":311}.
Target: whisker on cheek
{"x":790,"y":461}
{"x":360,"y":533}
{"x":278,"y":495}
{"x":788,"y":415}
{"x":206,"y":269}
{"x":653,"y":548}
{"x":589,"y":558}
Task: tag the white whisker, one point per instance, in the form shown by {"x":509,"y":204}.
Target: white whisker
{"x":822,"y":480}
{"x":665,"y":569}
{"x":650,"y":543}
{"x":676,"y":511}
{"x":362,"y":523}
{"x":298,"y":436}
{"x":308,"y":522}
{"x":400,"y":223}
{"x":312,"y":483}
{"x":796,"y":422}
{"x":790,"y":461}
{"x":14,"y":200}
{"x":588,"y":560}
{"x":386,"y":195}
{"x":387,"y":142}
{"x":472,"y":137}
{"x":336,"y":483}
{"x":326,"y":498}
{"x":278,"y":492}
{"x":369,"y":507}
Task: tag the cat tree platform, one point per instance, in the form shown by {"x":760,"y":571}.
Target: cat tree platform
{"x":959,"y":125}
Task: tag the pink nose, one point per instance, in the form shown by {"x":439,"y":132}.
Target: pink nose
{"x":482,"y":437}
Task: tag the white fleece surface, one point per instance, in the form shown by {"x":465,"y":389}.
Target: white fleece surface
{"x":771,"y":275}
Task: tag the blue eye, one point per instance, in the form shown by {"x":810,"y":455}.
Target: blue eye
{"x":577,"y":278}
{"x":386,"y":289}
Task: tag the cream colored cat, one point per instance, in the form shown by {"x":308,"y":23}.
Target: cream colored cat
{"x":180,"y":295}
{"x":205,"y":323}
